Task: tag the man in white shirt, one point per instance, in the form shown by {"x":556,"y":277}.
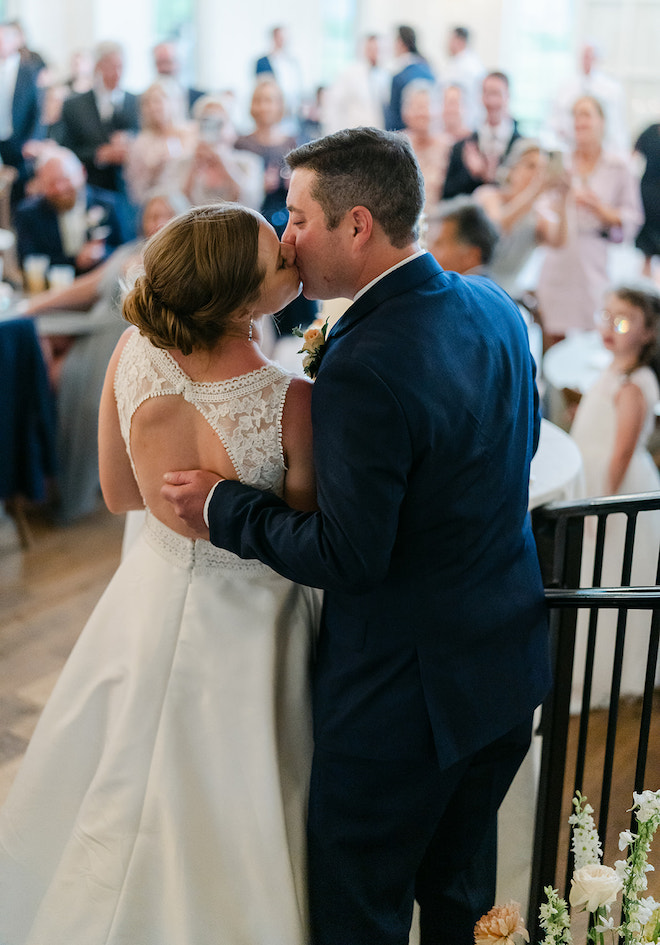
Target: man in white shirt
{"x":591,"y":80}
{"x":465,"y":69}
{"x":20,"y":106}
{"x":359,"y":94}
{"x":286,"y":70}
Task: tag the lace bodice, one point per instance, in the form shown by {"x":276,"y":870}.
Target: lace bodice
{"x":245,"y":411}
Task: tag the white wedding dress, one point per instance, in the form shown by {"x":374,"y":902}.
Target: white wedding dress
{"x":594,"y":430}
{"x":162,"y":799}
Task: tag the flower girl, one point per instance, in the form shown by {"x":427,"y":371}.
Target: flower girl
{"x":612,"y":426}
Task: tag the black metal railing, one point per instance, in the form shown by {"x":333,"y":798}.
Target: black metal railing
{"x":559,"y":530}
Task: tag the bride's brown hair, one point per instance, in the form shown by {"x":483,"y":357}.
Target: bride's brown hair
{"x":201,"y":272}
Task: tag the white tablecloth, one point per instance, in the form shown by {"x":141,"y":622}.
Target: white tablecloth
{"x":556,"y":474}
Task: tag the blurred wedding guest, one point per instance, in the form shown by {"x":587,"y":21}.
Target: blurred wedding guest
{"x":78,"y":375}
{"x":20,"y":107}
{"x":284,"y":68}
{"x":29,"y":56}
{"x":310,"y":116}
{"x":67,"y":219}
{"x":612,"y":427}
{"x":604,"y":206}
{"x":408,"y":65}
{"x":216,"y":170}
{"x":465,"y":240}
{"x":421,"y":114}
{"x":55,"y":92}
{"x":271,"y":143}
{"x":464,"y":68}
{"x":512,"y":206}
{"x":98,"y":124}
{"x":358,"y":95}
{"x":81,"y":71}
{"x":475,"y":160}
{"x":165,"y":140}
{"x":462,"y":238}
{"x":452,"y":114}
{"x":167,"y":63}
{"x":590,"y":79}
{"x":648,"y":238}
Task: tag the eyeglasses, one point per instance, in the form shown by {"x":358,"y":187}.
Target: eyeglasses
{"x":619,"y":323}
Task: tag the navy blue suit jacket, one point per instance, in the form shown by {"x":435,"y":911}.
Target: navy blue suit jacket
{"x":26,"y":119}
{"x":426,"y":417}
{"x":83,"y":131}
{"x":38,"y":231}
{"x":415,"y":70}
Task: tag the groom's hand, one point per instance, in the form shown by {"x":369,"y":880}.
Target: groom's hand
{"x":188,"y":490}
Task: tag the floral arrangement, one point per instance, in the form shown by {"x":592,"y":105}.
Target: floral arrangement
{"x":96,"y":215}
{"x":594,"y":887}
{"x":313,"y":343}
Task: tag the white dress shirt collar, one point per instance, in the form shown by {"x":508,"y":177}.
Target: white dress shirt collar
{"x":420,"y":252}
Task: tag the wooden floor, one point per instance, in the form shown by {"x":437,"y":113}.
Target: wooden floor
{"x":48,"y":592}
{"x":46,"y":595}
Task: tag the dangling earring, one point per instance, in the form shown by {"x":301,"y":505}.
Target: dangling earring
{"x":250,"y":331}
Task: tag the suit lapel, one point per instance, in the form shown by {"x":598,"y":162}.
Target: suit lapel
{"x":402,"y":280}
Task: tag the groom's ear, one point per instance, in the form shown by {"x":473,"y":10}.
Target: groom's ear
{"x":362,"y":223}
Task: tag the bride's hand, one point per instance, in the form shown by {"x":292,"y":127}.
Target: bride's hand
{"x":188,"y":490}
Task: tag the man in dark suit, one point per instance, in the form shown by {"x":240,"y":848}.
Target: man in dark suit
{"x":67,"y":219}
{"x":474,"y":160}
{"x":433,"y":649}
{"x":20,"y":106}
{"x":96,"y":125}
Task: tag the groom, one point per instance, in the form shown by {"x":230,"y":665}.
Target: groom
{"x":433,"y":650}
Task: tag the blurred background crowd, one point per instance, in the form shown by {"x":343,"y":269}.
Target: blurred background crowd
{"x":556,"y":206}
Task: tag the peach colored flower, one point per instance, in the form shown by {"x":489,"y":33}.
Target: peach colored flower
{"x":500,"y":925}
{"x":313,"y":339}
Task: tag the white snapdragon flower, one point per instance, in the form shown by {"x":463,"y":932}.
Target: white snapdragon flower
{"x":649,"y":805}
{"x":626,"y":839}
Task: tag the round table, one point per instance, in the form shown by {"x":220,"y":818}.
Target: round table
{"x":576,"y":361}
{"x":556,"y":473}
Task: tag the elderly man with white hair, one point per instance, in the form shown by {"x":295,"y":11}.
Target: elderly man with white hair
{"x":67,"y":219}
{"x":97,"y":124}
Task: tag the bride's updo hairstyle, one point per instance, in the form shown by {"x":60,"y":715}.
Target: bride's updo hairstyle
{"x":201,"y":274}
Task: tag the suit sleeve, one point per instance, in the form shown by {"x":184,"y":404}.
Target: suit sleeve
{"x":73,"y":136}
{"x":363,"y":453}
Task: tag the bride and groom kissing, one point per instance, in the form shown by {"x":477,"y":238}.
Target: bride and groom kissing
{"x":182,"y":819}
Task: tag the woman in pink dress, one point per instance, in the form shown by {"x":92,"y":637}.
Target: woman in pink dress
{"x":604,"y":206}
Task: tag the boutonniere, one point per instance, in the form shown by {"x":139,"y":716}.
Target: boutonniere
{"x":314,"y":339}
{"x":95,"y":217}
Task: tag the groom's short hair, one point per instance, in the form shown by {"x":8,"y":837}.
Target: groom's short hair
{"x":370,"y":168}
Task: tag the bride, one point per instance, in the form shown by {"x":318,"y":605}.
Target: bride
{"x":162,"y":798}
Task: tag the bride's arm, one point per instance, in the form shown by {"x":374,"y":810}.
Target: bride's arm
{"x":120,"y":490}
{"x":300,"y":481}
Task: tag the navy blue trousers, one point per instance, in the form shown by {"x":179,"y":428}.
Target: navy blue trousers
{"x":383,"y":833}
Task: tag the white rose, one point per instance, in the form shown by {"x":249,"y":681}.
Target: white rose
{"x":594,"y":886}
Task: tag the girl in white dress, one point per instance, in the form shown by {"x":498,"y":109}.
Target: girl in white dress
{"x":613,"y":423}
{"x":162,"y":798}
